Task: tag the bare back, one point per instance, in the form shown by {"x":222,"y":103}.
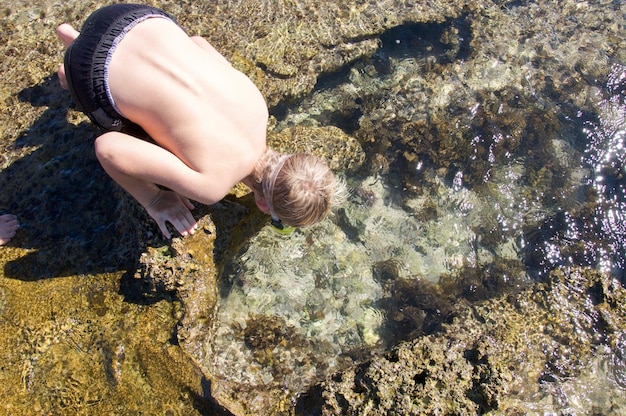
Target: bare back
{"x":189,"y":99}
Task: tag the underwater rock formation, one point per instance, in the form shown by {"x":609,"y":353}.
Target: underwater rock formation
{"x":496,"y":355}
{"x":342,"y":152}
{"x":284,"y":45}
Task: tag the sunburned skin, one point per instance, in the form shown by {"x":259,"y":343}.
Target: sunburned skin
{"x":208,"y":121}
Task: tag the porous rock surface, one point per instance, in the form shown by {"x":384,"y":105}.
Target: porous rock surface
{"x":490,"y":353}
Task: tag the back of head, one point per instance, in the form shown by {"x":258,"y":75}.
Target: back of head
{"x":304,"y":190}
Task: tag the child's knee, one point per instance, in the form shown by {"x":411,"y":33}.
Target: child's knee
{"x":104,"y":145}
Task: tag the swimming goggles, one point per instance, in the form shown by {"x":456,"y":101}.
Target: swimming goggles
{"x":268,"y":191}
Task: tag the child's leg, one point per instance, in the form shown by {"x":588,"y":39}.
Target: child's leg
{"x":8,"y":227}
{"x":66,"y":34}
{"x":138,"y":166}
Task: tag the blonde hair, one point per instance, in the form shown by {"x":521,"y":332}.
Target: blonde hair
{"x":299,"y":188}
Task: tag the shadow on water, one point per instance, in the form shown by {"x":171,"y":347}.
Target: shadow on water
{"x":69,"y":214}
{"x":443,"y":42}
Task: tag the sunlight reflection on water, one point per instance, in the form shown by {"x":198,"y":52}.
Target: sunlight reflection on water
{"x":607,"y":155}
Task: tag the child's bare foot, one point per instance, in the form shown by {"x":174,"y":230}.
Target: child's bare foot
{"x":8,"y":227}
{"x":66,"y":34}
{"x":62,"y":78}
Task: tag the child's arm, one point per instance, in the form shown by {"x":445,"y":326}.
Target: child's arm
{"x":138,"y":166}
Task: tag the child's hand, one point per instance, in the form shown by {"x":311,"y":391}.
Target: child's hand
{"x":170,"y":207}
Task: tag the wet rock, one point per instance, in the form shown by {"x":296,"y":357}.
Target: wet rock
{"x":490,"y":353}
{"x":364,"y":197}
{"x":415,"y":307}
{"x":342,"y":151}
{"x":352,"y":229}
{"x":386,"y":270}
{"x":294,"y":44}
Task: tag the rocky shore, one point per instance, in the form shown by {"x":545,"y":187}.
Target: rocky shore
{"x":100,"y":315}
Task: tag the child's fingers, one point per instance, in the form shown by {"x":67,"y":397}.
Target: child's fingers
{"x":164,"y":230}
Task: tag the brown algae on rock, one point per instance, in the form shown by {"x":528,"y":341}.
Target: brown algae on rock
{"x":77,"y":347}
{"x":342,"y":152}
{"x":492,"y":355}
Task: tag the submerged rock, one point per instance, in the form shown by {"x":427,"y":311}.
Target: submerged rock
{"x":342,"y":152}
{"x":508,"y":355}
{"x":189,"y":268}
{"x":293,"y":43}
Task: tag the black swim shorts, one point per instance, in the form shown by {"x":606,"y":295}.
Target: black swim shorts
{"x":87,"y":59}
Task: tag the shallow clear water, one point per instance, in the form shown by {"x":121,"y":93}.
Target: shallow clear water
{"x":605,"y":154}
{"x":512,"y":210}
